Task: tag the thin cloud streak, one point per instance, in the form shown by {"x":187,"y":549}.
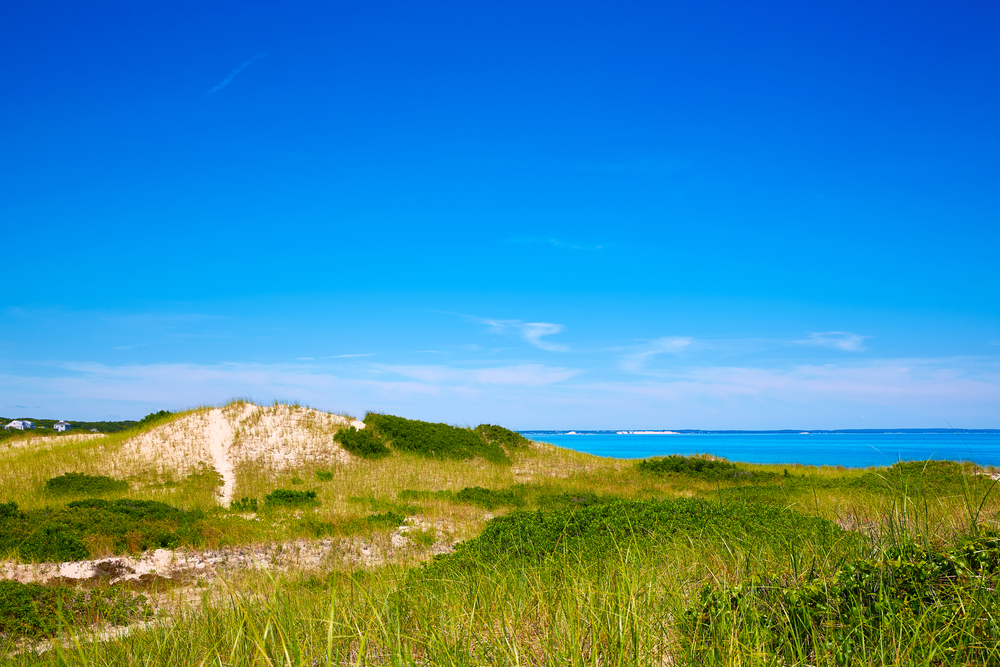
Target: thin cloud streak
{"x":635,"y":362}
{"x":530,"y":332}
{"x":837,"y":340}
{"x":232,"y":75}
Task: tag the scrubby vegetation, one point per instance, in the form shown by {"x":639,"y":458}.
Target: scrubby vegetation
{"x":937,"y":605}
{"x":75,"y":483}
{"x":473,"y":495}
{"x":33,"y":610}
{"x":559,"y":558}
{"x":498,"y":435}
{"x":290,"y":498}
{"x":85,"y":528}
{"x":698,"y":466}
{"x":366,"y":443}
{"x":434,"y":440}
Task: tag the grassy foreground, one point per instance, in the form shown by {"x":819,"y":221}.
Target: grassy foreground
{"x":560,"y":558}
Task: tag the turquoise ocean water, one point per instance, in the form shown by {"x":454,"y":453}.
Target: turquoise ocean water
{"x":847,"y":448}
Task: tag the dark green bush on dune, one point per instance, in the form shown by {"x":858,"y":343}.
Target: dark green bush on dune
{"x":498,"y":435}
{"x":127,"y":525}
{"x":365,"y":443}
{"x":599,"y":529}
{"x":34,"y":611}
{"x":941,"y":597}
{"x":434,"y":440}
{"x":155,"y":417}
{"x":695,"y":466}
{"x":75,"y":483}
{"x":290,"y":498}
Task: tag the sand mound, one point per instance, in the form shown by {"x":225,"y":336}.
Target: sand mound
{"x":278,"y":436}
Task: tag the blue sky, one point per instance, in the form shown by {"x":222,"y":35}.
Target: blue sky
{"x":545,"y":215}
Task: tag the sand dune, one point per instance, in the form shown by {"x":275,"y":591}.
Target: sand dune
{"x":277,"y":436}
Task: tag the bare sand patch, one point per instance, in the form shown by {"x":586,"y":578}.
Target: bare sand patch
{"x":278,"y":437}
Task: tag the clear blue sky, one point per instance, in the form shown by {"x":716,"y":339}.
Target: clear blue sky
{"x":540,"y":214}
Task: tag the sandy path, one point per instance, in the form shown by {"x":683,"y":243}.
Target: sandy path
{"x":220,"y":436}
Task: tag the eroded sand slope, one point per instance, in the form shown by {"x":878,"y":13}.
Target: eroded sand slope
{"x":277,"y":436}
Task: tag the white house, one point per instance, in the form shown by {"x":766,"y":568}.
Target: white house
{"x":62,"y":426}
{"x":20,"y":424}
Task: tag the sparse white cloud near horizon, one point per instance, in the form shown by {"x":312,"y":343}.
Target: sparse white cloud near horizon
{"x":837,"y":340}
{"x":881,"y":392}
{"x":636,"y":361}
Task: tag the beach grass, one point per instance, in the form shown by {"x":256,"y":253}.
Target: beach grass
{"x":564,"y":558}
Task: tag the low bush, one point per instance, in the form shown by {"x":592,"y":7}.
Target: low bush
{"x":290,"y":498}
{"x":490,"y":498}
{"x":471,"y":495}
{"x":696,"y":466}
{"x":35,"y":611}
{"x":324,"y":475}
{"x":434,"y":440}
{"x":75,"y":483}
{"x":602,"y":527}
{"x":504,"y":437}
{"x":125,"y":525}
{"x":910,"y":593}
{"x":155,"y":417}
{"x":244,"y":505}
{"x":365,"y":443}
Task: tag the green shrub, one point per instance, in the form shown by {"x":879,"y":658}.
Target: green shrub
{"x":75,"y":483}
{"x":365,"y":443}
{"x":434,"y":440}
{"x":244,"y":505}
{"x":504,"y":437}
{"x":909,"y":592}
{"x":60,"y":534}
{"x":600,"y":528}
{"x":290,"y":498}
{"x":472,"y":495}
{"x":696,"y":466}
{"x":489,"y":498}
{"x":34,"y":611}
{"x":155,"y":417}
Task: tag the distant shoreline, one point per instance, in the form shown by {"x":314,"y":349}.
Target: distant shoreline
{"x":683,"y":431}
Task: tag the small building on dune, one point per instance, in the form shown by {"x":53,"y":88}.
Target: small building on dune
{"x":62,"y":426}
{"x":20,"y":424}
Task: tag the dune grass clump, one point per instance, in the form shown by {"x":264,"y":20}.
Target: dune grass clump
{"x":434,"y":440}
{"x":74,"y":531}
{"x":365,"y":443}
{"x":290,"y":498}
{"x":75,"y":483}
{"x":35,"y":611}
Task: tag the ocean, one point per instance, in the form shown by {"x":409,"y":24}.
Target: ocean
{"x":853,"y":449}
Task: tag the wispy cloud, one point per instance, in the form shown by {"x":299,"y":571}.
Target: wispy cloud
{"x":348,"y":356}
{"x":837,"y":340}
{"x":232,"y":75}
{"x":131,"y":347}
{"x":531,"y":332}
{"x":527,"y":375}
{"x":636,"y":361}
